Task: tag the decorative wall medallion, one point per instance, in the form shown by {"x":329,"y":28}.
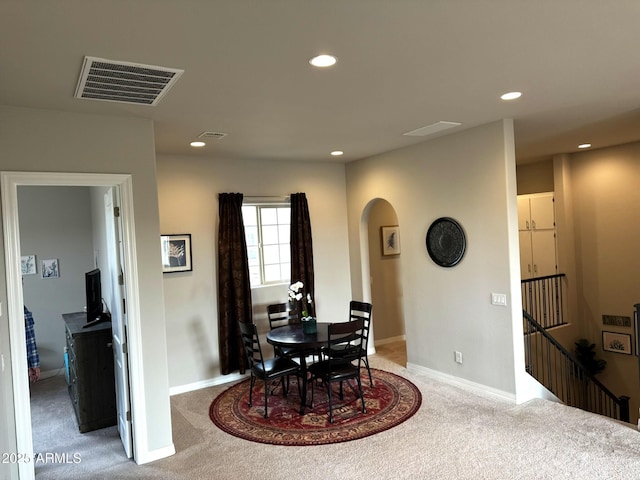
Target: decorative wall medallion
{"x":446,"y":242}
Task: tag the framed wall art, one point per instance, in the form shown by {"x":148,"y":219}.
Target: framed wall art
{"x":176,"y":253}
{"x":390,"y":240}
{"x":616,"y":342}
{"x":446,"y":242}
{"x":28,"y":264}
{"x":50,"y":268}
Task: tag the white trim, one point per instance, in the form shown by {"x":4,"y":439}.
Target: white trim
{"x":153,"y":455}
{"x":477,"y":388}
{"x":9,"y":195}
{"x":212,"y":382}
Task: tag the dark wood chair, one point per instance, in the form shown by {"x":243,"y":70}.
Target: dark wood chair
{"x":353,"y":349}
{"x":341,"y":370}
{"x":272,"y":369}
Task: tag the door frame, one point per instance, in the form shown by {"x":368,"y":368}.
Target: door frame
{"x":9,"y":182}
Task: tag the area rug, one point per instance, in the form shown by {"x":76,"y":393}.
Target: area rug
{"x":393,"y":400}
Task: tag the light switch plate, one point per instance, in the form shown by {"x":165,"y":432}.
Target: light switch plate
{"x":499,"y":299}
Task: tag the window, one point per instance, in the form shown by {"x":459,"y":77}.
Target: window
{"x":267,"y":231}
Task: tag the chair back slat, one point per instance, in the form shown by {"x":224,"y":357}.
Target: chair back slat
{"x":251,"y":342}
{"x":362,"y":310}
{"x":281,"y":314}
{"x":353,"y":330}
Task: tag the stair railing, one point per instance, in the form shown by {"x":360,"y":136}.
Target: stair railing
{"x":542,"y":297}
{"x":563,"y":375}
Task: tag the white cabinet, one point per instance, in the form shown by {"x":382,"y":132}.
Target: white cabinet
{"x":537,"y":229}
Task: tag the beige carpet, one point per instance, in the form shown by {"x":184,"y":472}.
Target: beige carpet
{"x":454,"y":435}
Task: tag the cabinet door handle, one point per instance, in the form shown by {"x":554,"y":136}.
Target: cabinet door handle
{"x":529,"y":267}
{"x":533,"y":224}
{"x":527,"y":223}
{"x":535,"y":269}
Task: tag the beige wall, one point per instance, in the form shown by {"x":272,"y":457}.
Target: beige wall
{"x":188,"y":193}
{"x":50,"y":141}
{"x":606,"y":199}
{"x":386,"y":286}
{"x":535,"y":177}
{"x":469,"y":176}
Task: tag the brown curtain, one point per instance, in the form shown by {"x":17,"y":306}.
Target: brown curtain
{"x":234,"y":289}
{"x":302,"y":246}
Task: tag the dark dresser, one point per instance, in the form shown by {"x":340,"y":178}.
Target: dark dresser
{"x":91,"y":376}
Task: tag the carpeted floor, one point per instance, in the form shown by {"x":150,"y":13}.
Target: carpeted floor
{"x":454,"y":435}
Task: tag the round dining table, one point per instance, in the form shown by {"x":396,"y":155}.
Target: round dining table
{"x":292,"y":336}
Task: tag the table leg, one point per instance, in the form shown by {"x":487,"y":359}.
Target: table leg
{"x":303,"y":396}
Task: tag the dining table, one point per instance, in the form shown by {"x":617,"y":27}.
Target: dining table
{"x":292,"y":336}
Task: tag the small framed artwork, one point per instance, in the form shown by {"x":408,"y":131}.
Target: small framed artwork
{"x":616,"y":342}
{"x":176,"y":253}
{"x":28,"y":264}
{"x":50,"y":268}
{"x":390,"y":240}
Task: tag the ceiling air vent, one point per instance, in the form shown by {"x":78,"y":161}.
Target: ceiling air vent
{"x":124,"y":82}
{"x":212,"y":135}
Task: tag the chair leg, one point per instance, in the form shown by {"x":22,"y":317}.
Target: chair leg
{"x":364,"y":410}
{"x":266,"y":397}
{"x":330,"y":402}
{"x":251,"y":385}
{"x":366,"y":362}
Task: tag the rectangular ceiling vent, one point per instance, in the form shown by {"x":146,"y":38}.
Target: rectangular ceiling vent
{"x":212,"y":135}
{"x":124,"y":82}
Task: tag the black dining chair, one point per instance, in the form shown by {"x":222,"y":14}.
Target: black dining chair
{"x":276,"y":368}
{"x":354,"y":349}
{"x":341,"y":370}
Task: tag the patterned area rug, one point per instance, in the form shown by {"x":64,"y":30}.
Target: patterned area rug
{"x":392,"y":401}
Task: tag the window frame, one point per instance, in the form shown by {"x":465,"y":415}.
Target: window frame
{"x":259,"y":206}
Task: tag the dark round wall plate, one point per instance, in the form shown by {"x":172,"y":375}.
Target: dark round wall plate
{"x":446,"y":242}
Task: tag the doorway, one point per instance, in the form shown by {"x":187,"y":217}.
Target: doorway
{"x":10,"y":183}
{"x":385,"y":280}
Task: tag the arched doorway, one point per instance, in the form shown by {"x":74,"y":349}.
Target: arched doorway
{"x":385,"y":281}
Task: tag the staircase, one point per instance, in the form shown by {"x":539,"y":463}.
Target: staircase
{"x":551,"y":364}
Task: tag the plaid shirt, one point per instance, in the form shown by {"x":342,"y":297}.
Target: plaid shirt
{"x":32,"y":350}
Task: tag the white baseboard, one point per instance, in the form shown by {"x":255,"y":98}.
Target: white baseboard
{"x":190,"y":387}
{"x":473,"y":387}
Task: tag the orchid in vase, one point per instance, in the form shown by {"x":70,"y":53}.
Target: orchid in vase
{"x":296,"y":295}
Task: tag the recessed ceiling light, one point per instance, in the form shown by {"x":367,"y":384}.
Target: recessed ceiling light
{"x":197,"y":144}
{"x":511,"y":95}
{"x":584,"y":145}
{"x":337,"y":153}
{"x":323,"y":61}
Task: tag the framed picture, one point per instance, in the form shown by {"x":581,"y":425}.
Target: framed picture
{"x":28,"y":264}
{"x":616,"y":342}
{"x":176,"y":253}
{"x":50,"y":268}
{"x":390,"y":240}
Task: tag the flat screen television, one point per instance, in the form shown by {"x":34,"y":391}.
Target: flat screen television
{"x":94,"y":295}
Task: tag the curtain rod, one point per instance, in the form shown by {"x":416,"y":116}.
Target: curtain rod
{"x":267,"y":199}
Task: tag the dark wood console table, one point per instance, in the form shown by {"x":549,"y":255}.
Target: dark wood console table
{"x":91,"y":375}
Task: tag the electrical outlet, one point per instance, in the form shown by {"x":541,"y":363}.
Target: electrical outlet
{"x":458,"y":357}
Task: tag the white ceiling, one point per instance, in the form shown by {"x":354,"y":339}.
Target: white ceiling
{"x":402,"y":64}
